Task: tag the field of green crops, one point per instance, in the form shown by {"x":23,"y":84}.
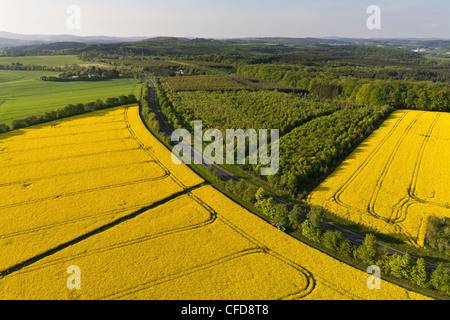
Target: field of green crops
{"x":22,"y":93}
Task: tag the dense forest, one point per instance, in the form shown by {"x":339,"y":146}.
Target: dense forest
{"x":406,"y":94}
{"x":312,"y":151}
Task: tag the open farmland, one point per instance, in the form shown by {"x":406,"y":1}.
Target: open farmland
{"x":396,"y":179}
{"x":100,"y":192}
{"x":22,"y":93}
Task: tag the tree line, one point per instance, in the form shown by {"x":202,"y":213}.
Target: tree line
{"x":398,"y":266}
{"x":438,"y":233}
{"x":403,"y":94}
{"x":313,"y":150}
{"x":68,"y":111}
{"x":30,"y":67}
{"x":89,"y":74}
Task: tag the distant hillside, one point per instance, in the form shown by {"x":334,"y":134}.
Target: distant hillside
{"x":55,"y":46}
{"x":95,"y":45}
{"x":427,"y":43}
{"x":5,"y":42}
{"x":8,"y":39}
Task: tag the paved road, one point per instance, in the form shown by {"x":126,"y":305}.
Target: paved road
{"x":166,"y":130}
{"x":353,"y":237}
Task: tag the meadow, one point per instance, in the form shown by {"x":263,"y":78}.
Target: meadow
{"x":100,"y":192}
{"x":22,"y":93}
{"x":396,"y":179}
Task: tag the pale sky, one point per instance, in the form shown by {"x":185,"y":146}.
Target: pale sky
{"x":229,"y":18}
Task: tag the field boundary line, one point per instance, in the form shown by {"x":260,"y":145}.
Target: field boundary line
{"x":91,"y":233}
{"x":69,"y":221}
{"x":210,"y":220}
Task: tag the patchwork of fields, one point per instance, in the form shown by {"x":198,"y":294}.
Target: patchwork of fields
{"x":100,"y":192}
{"x":396,"y":179}
{"x":23,"y":94}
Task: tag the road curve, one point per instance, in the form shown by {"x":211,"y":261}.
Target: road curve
{"x":166,"y":130}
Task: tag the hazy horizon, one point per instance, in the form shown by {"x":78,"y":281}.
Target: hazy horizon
{"x":227,"y":38}
{"x":228,"y":19}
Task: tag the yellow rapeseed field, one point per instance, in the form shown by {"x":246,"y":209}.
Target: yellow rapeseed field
{"x":396,"y":179}
{"x":98,"y":191}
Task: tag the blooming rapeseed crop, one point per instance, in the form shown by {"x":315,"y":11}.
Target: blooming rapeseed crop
{"x":396,"y":179}
{"x":99,"y":192}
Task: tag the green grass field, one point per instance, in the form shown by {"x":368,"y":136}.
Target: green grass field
{"x":57,"y":60}
{"x":22,"y":93}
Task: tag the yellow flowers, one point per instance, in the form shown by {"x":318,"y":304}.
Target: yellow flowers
{"x":99,"y":192}
{"x":396,"y":179}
